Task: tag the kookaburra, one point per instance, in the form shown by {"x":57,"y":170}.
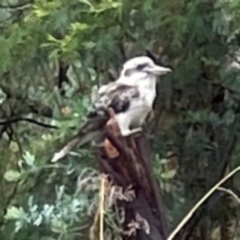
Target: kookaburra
{"x":131,"y":98}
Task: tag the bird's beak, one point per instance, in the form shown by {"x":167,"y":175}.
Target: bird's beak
{"x":158,"y":70}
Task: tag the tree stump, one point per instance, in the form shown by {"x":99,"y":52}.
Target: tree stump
{"x":127,"y":162}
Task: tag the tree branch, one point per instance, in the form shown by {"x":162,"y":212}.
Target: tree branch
{"x":13,"y":120}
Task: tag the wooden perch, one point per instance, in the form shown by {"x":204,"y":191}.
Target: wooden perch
{"x":127,"y":161}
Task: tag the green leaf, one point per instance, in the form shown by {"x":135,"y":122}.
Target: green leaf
{"x":29,"y":159}
{"x":2,"y":96}
{"x":38,"y":221}
{"x":79,"y":26}
{"x":40,"y":13}
{"x":169,"y":175}
{"x":14,"y":147}
{"x":54,"y":54}
{"x":89,"y":45}
{"x":88,"y":3}
{"x":14,"y":213}
{"x":58,"y":226}
{"x":12,"y":176}
{"x":52,"y":39}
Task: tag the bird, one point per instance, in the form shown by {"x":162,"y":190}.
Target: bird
{"x":130,"y":97}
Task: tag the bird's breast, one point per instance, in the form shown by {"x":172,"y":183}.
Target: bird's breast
{"x":148,"y":94}
{"x":138,"y":110}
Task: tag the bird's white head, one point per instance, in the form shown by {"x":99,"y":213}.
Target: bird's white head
{"x":143,"y":66}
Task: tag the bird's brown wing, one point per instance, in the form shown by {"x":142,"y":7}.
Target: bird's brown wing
{"x":115,"y":96}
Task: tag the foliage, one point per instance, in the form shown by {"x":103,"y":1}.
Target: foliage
{"x":54,"y":52}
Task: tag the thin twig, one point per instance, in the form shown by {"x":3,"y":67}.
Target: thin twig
{"x":17,"y":119}
{"x":200,"y":202}
{"x":101,"y":208}
{"x":230,"y":192}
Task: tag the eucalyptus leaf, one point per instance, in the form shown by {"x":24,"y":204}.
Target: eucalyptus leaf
{"x":14,"y":213}
{"x":2,"y":96}
{"x":12,"y":176}
{"x":14,"y":146}
{"x":169,"y":174}
{"x":57,"y":226}
{"x":29,"y":159}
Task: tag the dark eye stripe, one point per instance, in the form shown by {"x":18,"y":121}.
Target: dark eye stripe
{"x":141,"y":66}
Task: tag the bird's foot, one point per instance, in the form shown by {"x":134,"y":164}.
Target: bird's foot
{"x":126,"y":133}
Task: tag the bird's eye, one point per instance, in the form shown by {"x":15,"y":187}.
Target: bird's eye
{"x":141,"y":66}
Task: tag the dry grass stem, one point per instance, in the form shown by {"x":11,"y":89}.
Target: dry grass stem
{"x":230,"y":192}
{"x":200,"y":202}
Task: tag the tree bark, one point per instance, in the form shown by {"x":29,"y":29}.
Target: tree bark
{"x":128,"y":162}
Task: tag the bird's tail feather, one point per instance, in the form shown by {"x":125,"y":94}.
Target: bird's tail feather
{"x":76,"y":141}
{"x":91,"y":130}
